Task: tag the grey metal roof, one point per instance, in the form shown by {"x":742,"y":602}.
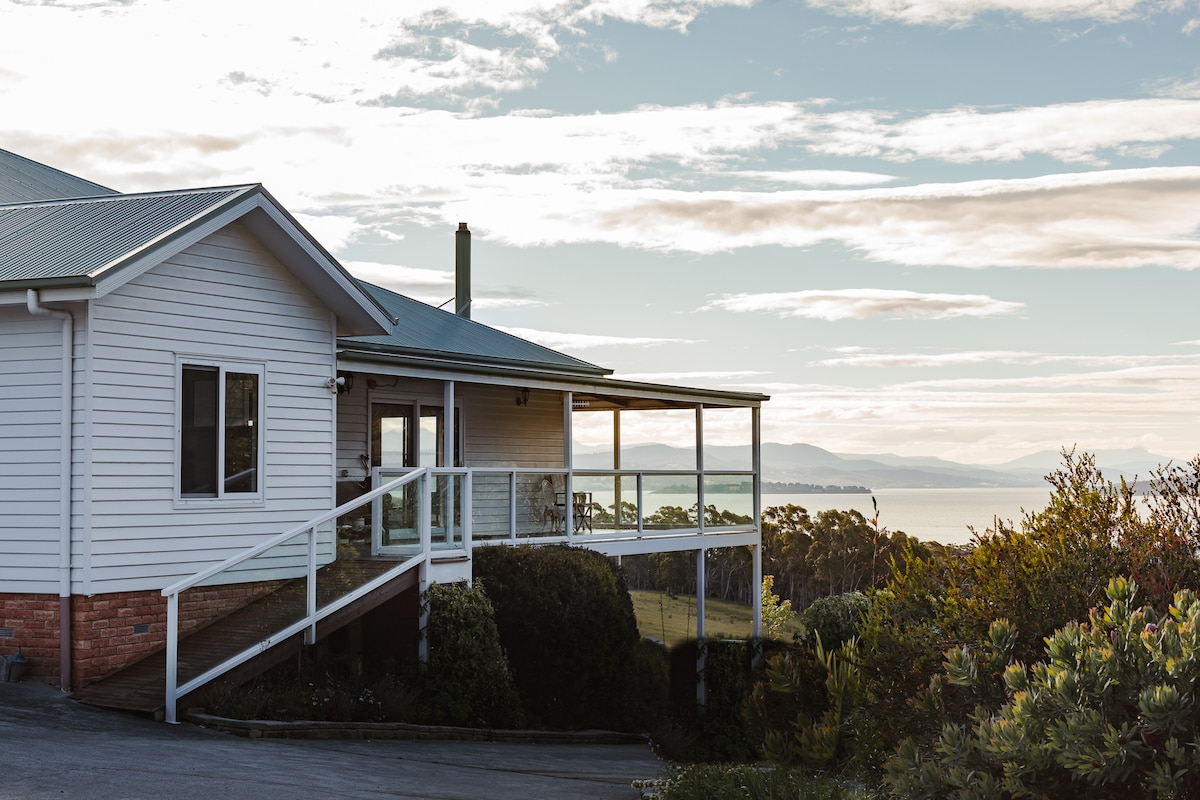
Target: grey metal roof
{"x":426,"y":332}
{"x":23,"y":180}
{"x":73,"y":242}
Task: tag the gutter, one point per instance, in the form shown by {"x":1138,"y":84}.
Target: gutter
{"x":33,"y":304}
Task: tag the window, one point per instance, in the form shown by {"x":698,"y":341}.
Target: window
{"x":220,"y":431}
{"x":403,"y":437}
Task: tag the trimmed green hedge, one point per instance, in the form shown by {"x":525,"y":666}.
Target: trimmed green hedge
{"x":567,"y":625}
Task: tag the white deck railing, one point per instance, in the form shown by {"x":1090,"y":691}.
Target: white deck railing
{"x":292,"y":554}
{"x":417,"y":514}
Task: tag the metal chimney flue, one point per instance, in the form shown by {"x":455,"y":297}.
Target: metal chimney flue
{"x":462,"y":271}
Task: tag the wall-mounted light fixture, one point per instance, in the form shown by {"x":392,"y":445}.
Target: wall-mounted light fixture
{"x":343,"y":383}
{"x":523,"y":397}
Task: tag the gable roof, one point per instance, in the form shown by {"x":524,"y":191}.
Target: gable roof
{"x":79,"y":242}
{"x":23,"y":181}
{"x":429,"y":335}
{"x":99,"y":243}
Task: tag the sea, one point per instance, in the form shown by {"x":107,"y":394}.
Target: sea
{"x":931,"y":515}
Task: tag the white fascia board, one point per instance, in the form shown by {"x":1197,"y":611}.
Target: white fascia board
{"x":172,"y":243}
{"x":331,"y":269}
{"x":532,"y":379}
{"x":75,"y":294}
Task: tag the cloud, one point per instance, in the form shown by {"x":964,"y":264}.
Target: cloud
{"x":1070,"y":132}
{"x":465,"y":54}
{"x":583,"y":341}
{"x":811,"y":177}
{"x":1122,"y":218}
{"x":955,"y":12}
{"x":976,"y":357}
{"x":990,"y":420}
{"x":839,"y":304}
{"x":687,"y":377}
{"x":412,"y":282}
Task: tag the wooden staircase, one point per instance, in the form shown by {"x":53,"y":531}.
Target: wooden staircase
{"x":140,"y":687}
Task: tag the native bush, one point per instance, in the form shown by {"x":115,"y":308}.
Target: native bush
{"x":1055,"y":567}
{"x":801,"y":713}
{"x":746,"y":782}
{"x":466,"y":680}
{"x":834,"y":619}
{"x":1110,"y":713}
{"x":905,"y":629}
{"x":566,"y":622}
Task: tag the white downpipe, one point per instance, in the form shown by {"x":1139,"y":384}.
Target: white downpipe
{"x":33,"y":304}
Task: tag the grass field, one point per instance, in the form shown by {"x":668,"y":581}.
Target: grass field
{"x":673,"y":620}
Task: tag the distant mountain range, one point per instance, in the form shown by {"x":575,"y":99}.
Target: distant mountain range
{"x":806,"y":463}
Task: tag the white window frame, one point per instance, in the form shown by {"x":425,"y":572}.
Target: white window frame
{"x":222,"y":498}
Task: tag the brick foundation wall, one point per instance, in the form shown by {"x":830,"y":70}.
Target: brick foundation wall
{"x":108,"y":631}
{"x":102,"y":632}
{"x":33,"y":620}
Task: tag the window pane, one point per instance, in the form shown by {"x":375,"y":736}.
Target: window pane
{"x":241,"y":432}
{"x":198,"y":433}
{"x":431,"y":436}
{"x":389,"y":435}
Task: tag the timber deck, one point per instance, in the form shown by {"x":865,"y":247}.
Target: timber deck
{"x":141,"y":686}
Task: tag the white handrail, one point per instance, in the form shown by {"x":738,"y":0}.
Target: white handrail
{"x":259,"y":549}
{"x":312,"y":616}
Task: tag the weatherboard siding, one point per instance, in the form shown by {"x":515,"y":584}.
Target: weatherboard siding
{"x":225,"y":299}
{"x":496,"y":432}
{"x":30,"y":441}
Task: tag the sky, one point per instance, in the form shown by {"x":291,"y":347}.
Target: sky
{"x":923,"y":227}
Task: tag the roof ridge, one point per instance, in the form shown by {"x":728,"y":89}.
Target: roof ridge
{"x":110,"y":198}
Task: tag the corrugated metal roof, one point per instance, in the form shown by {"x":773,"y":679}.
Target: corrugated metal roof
{"x":75,"y":241}
{"x":26,"y":181}
{"x":428,"y":332}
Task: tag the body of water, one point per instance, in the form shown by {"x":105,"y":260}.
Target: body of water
{"x":931,"y":515}
{"x":937,"y":515}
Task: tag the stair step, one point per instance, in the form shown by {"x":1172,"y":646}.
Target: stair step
{"x":141,"y":686}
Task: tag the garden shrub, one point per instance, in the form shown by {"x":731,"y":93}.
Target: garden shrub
{"x":746,"y":782}
{"x":1055,"y":568}
{"x":566,"y":622}
{"x":822,"y":690}
{"x":466,"y":680}
{"x":834,"y":618}
{"x":1110,"y":713}
{"x":905,"y":630}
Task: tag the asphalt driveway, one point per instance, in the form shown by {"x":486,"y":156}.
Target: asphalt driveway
{"x":54,"y":747}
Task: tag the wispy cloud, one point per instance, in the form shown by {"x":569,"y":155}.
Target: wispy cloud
{"x":955,"y":12}
{"x":1000,"y":417}
{"x":839,"y":304}
{"x":688,"y":377}
{"x":1121,"y":218}
{"x":974,"y":357}
{"x":583,"y":341}
{"x":1070,"y":132}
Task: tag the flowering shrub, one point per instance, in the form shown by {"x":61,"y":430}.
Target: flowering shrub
{"x":1111,"y":712}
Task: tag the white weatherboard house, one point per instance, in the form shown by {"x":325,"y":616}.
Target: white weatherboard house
{"x":220,"y":447}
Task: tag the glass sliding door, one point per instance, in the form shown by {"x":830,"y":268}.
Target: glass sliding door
{"x":406,"y":436}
